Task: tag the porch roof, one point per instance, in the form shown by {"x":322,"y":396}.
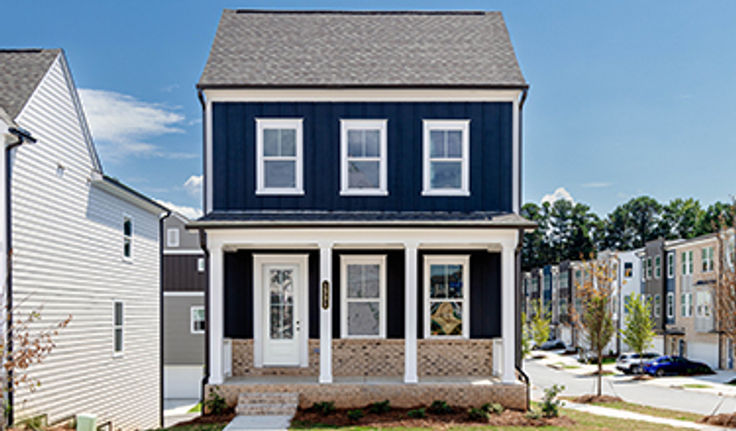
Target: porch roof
{"x":260,"y":218}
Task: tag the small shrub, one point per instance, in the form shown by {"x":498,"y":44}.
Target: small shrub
{"x":355,"y":415}
{"x":417,"y":413}
{"x":380,"y":407}
{"x":493,"y":408}
{"x":323,"y":407}
{"x":533,"y":414}
{"x":551,"y":405}
{"x":477,"y":414}
{"x":440,"y":407}
{"x":215,"y":403}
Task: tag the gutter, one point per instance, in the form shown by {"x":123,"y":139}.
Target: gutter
{"x":22,"y":136}
{"x":161,"y":219}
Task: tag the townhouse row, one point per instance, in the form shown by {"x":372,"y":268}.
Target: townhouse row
{"x":677,"y":277}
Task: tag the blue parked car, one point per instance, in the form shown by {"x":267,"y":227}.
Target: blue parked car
{"x":677,"y":365}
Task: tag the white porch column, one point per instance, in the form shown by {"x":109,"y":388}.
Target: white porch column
{"x":325,"y":313}
{"x":216,"y":317}
{"x":410,"y":313}
{"x":508,"y":313}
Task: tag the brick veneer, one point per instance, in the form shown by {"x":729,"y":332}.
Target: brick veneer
{"x":352,"y":395}
{"x":353,"y":357}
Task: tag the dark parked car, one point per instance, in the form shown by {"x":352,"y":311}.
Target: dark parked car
{"x":675,"y":365}
{"x":553,"y":345}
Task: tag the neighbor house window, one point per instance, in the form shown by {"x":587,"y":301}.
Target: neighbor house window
{"x":127,"y":237}
{"x":649,"y":268}
{"x":200,"y":264}
{"x":172,"y":237}
{"x":446,"y":289}
{"x":363,"y":296}
{"x":686,"y":304}
{"x":118,"y":321}
{"x":279,"y":156}
{"x":707,"y":259}
{"x":363,"y":152}
{"x":628,"y":269}
{"x":446,"y":148}
{"x":687,"y":262}
{"x":670,"y":265}
{"x":670,"y":305}
{"x":703,"y":307}
{"x":196,"y":319}
{"x":657,"y":267}
{"x":657,"y":305}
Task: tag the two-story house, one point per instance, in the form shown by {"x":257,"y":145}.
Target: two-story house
{"x":184,"y":283}
{"x":77,"y":243}
{"x":362,"y":189}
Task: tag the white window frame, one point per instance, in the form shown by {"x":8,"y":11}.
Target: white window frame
{"x":192,"y":310}
{"x":354,"y":259}
{"x":687,"y":262}
{"x":363,"y":124}
{"x":670,"y":265}
{"x":657,"y":267}
{"x":435,"y":259}
{"x":657,"y":305}
{"x":115,"y":352}
{"x":670,"y":305}
{"x":128,"y":238}
{"x":464,"y":127}
{"x":707,"y":255}
{"x":175,"y":241}
{"x":687,"y":304}
{"x":279,"y":123}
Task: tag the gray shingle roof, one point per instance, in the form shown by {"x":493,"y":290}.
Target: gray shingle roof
{"x":21,"y":70}
{"x":361,"y":49}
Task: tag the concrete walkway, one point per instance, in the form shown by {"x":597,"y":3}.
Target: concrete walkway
{"x":623,"y":414}
{"x":177,"y":410}
{"x":264,"y":423}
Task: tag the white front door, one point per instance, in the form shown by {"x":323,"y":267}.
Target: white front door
{"x":282,"y":284}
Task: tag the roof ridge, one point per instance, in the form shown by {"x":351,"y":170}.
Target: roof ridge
{"x":360,"y":12}
{"x":28,"y":50}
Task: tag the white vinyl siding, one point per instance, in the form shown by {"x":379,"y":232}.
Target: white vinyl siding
{"x":363,"y":153}
{"x":279,"y":156}
{"x":446,"y":157}
{"x":67,"y":261}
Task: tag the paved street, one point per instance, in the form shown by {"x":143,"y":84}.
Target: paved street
{"x":703,"y":402}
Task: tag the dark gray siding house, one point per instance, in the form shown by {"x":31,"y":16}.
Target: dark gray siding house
{"x":184,"y":283}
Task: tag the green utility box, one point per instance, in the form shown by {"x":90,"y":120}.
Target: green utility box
{"x":86,"y":423}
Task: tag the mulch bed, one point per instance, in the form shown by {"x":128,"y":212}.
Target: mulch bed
{"x":398,"y":418}
{"x":724,"y":420}
{"x":589,"y":399}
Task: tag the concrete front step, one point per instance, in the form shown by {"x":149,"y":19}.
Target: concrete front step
{"x":267,"y":403}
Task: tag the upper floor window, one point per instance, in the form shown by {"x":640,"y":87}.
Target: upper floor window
{"x":200,"y":264}
{"x":686,"y":304}
{"x":657,"y":266}
{"x":687,"y":262}
{"x":279,"y":156}
{"x":363,"y":153}
{"x":707,"y":260}
{"x":649,"y":268}
{"x":127,"y":237}
{"x":657,"y":305}
{"x":670,"y":305}
{"x":628,"y":269}
{"x":446,"y":148}
{"x":172,"y":237}
{"x":670,"y":264}
{"x":446,"y":290}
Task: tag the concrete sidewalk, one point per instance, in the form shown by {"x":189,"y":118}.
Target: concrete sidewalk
{"x":623,"y":414}
{"x":259,"y":423}
{"x":177,"y":410}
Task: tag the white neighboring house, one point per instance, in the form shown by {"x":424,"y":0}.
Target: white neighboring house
{"x":629,"y":273}
{"x":83,"y":245}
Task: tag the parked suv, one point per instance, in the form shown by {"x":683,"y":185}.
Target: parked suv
{"x":633,"y":363}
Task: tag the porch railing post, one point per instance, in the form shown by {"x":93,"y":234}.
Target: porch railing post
{"x":325,"y":314}
{"x":410,"y":313}
{"x":217,"y":364}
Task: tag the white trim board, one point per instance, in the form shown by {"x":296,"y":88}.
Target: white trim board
{"x":183,"y":293}
{"x":359,"y":95}
{"x":192,"y":251}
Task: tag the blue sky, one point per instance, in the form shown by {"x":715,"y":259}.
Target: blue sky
{"x":627,"y":97}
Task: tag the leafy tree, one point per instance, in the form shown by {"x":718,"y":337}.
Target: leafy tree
{"x":596,"y":315}
{"x":540,"y":323}
{"x":526,"y":336}
{"x":679,"y":218}
{"x":639,"y":331}
{"x":717,"y":215}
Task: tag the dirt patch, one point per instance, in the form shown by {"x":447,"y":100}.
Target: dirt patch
{"x":591,"y":399}
{"x":539,"y":356}
{"x":724,"y":420}
{"x":399,"y":418}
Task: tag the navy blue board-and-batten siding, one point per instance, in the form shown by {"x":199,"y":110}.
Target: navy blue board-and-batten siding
{"x":234,"y":155}
{"x":485,"y":292}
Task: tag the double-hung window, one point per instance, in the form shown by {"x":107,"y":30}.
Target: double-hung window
{"x":649,"y":268}
{"x":363,"y":152}
{"x":279,"y":156}
{"x":127,"y":237}
{"x":118,"y":322}
{"x":686,"y":304}
{"x":446,"y":293}
{"x":707,"y":259}
{"x":687,"y":262}
{"x":196,"y":319}
{"x":657,"y":305}
{"x":670,"y":305}
{"x":670,"y":265}
{"x":363,"y":296}
{"x":446,"y":158}
{"x":657,"y":267}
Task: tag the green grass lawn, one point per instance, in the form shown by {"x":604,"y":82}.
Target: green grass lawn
{"x":585,"y":422}
{"x":696,"y":386}
{"x":196,"y":409}
{"x":646,"y":410}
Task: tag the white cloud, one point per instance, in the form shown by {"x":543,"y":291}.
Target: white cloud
{"x":558,"y":194}
{"x":598,"y":185}
{"x":189,"y":212}
{"x":193,"y":185}
{"x":123,"y":125}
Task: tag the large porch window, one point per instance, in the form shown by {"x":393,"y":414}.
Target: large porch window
{"x":363,"y":296}
{"x":446,"y":293}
